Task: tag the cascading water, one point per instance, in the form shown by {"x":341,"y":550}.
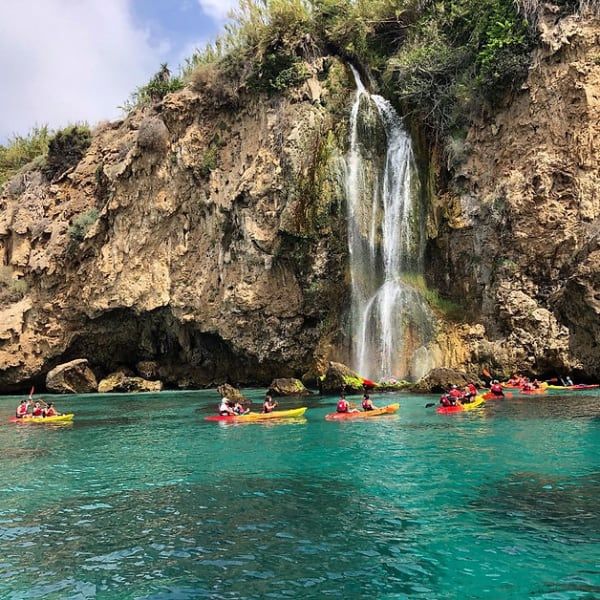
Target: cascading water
{"x":390,"y":322}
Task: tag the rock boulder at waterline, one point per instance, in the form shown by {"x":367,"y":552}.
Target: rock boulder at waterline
{"x":440,"y":380}
{"x":340,"y":378}
{"x":119,"y":382}
{"x":74,"y":377}
{"x":288,"y":387}
{"x":228,"y":391}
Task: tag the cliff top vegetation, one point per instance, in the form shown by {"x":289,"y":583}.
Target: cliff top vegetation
{"x":440,"y":60}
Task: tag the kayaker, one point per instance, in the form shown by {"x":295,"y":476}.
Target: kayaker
{"x":343,"y":406}
{"x":367,"y":403}
{"x":225,"y":409}
{"x":37,"y":410}
{"x":238,"y":409}
{"x":50,"y":411}
{"x":455,"y":394}
{"x":268,"y":405}
{"x":445,"y":400}
{"x":21,"y":411}
{"x":496,"y":388}
{"x":527,"y":386}
{"x":468,"y":394}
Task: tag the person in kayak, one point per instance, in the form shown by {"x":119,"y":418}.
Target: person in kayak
{"x":469,"y":393}
{"x":50,"y":411}
{"x":367,"y":403}
{"x":455,"y":394}
{"x":238,"y":409}
{"x":37,"y":411}
{"x":496,"y":389}
{"x":268,"y":405}
{"x":225,"y":408}
{"x":343,"y":406}
{"x":22,"y":409}
{"x":445,"y":400}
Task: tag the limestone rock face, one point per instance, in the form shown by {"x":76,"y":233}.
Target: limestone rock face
{"x":214,"y":244}
{"x":578,"y":303}
{"x":119,"y":382}
{"x":148,"y":369}
{"x":340,"y":378}
{"x":511,"y":237}
{"x":440,"y":380}
{"x":288,"y":387}
{"x":74,"y":377}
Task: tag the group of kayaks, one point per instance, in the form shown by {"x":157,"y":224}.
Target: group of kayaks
{"x":295,"y":413}
{"x":481,"y":399}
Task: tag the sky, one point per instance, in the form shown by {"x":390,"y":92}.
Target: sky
{"x":66,"y":61}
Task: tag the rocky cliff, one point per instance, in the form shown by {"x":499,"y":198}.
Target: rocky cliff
{"x":514,"y":233}
{"x":210,"y":237}
{"x":206,"y":236}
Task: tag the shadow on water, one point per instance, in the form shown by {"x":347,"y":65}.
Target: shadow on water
{"x":565,"y":508}
{"x":248,"y":537}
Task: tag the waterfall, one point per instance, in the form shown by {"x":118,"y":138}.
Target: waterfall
{"x":390,"y":322}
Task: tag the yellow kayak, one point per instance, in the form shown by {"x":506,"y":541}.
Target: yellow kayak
{"x":276,"y":414}
{"x":37,"y":420}
{"x":477,"y":403}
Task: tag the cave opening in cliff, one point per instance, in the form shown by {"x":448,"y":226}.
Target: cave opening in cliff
{"x":185,"y":356}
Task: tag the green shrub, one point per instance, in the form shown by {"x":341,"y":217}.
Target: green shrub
{"x":210,"y":158}
{"x":161,"y":84}
{"x":81,"y":225}
{"x":66,"y":148}
{"x":11,"y":290}
{"x":22,"y":150}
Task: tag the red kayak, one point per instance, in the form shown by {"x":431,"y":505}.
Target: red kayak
{"x":368,"y":384}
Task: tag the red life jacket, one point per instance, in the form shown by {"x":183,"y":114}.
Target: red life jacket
{"x":342,"y":406}
{"x":21,"y":410}
{"x":37,"y":412}
{"x":366,"y":405}
{"x":497,"y":389}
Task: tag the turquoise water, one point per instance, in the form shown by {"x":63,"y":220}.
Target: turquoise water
{"x":140,"y":498}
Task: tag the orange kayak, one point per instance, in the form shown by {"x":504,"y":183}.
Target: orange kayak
{"x":386,"y":410}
